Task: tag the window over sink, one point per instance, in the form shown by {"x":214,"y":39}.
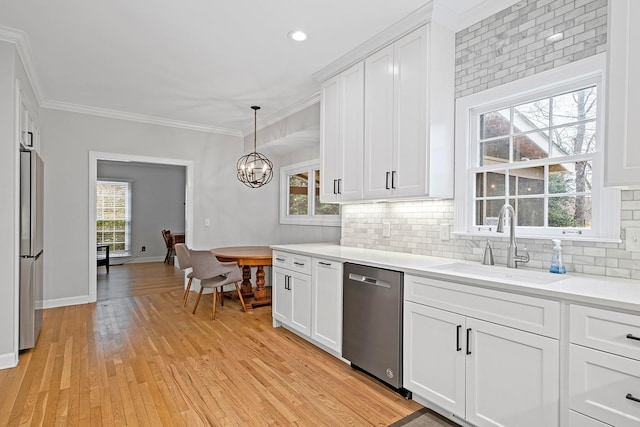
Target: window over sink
{"x":300,"y":197}
{"x":537,"y":144}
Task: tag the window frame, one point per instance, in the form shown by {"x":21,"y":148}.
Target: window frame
{"x":128,"y":198}
{"x":587,"y":72}
{"x":311,"y":219}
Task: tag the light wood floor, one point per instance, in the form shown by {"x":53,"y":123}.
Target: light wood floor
{"x":144,"y":360}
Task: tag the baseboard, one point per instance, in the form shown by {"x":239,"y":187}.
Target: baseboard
{"x":145,"y":259}
{"x":63,"y":302}
{"x":8,"y":360}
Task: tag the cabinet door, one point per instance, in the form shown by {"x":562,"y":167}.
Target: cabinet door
{"x":330,"y":149}
{"x":410,"y":116}
{"x":352,"y":134}
{"x":512,"y":377}
{"x":378,"y":118}
{"x":281,"y":296}
{"x":622,"y":166}
{"x":300,"y":291}
{"x":434,"y":356}
{"x":327,"y":303}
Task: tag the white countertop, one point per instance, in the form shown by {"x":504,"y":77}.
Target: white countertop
{"x":600,"y":290}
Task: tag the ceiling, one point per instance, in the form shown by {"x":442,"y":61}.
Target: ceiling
{"x":199,"y":63}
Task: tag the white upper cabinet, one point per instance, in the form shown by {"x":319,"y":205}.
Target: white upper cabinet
{"x":341,"y":136}
{"x":387,"y":122}
{"x":622,"y":166}
{"x":409,"y":105}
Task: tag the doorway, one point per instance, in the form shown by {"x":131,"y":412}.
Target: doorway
{"x":97,"y":157}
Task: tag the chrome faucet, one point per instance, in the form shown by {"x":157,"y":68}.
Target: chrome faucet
{"x":512,"y":250}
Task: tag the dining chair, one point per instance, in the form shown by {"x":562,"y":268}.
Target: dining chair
{"x":184,"y":261}
{"x":214,"y":274}
{"x":166,"y":235}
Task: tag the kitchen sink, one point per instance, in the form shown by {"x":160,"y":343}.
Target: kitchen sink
{"x":500,"y":274}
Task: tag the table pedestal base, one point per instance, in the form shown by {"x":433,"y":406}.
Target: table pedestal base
{"x":259,"y":294}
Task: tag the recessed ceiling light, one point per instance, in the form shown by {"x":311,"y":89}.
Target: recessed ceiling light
{"x":297,"y":35}
{"x":555,"y":37}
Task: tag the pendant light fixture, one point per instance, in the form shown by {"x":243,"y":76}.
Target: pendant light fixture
{"x":254,"y":169}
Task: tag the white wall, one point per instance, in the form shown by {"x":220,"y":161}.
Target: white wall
{"x":158,"y":203}
{"x":238,"y":215}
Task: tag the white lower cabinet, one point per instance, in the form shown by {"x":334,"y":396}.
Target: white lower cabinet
{"x":604,"y":365}
{"x":292,"y":299}
{"x":307,"y":298}
{"x":485,"y":373}
{"x":326,"y":289}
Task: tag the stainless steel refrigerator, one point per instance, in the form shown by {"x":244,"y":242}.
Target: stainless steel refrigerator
{"x":31,"y":247}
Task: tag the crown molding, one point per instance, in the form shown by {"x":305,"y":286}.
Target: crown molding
{"x":141,"y":118}
{"x":418,"y":18}
{"x":19,"y":38}
{"x":284,"y":113}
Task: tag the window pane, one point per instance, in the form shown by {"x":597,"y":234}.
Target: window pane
{"x":530,"y":212}
{"x":531,"y":146}
{"x":526,"y":181}
{"x":323,"y":208}
{"x":575,"y":106}
{"x":570,"y":177}
{"x":480,"y":184}
{"x":298,"y":194}
{"x":487,"y":212}
{"x":495,"y":123}
{"x":577,"y":139}
{"x":493,"y":152}
{"x":531,"y":116}
{"x":570,"y":211}
{"x":495,"y":183}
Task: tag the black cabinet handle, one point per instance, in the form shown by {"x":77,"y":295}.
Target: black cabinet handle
{"x":393,"y":179}
{"x":280,"y":259}
{"x":339,"y":181}
{"x":30,"y":139}
{"x":324,"y":263}
{"x":386,"y":185}
{"x":468,"y":338}
{"x":631,"y":337}
{"x":334,"y":186}
{"x":299,"y":263}
{"x":458,"y":348}
{"x":630,"y":397}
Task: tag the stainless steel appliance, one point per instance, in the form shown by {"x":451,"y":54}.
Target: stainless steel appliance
{"x":372,"y":322}
{"x":31,"y":246}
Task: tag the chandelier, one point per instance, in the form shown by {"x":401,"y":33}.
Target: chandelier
{"x":254,"y":169}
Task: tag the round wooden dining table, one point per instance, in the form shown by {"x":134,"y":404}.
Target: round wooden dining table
{"x":247,"y":257}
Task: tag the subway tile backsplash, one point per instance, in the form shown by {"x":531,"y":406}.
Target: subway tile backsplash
{"x":506,"y":46}
{"x":415,"y":228}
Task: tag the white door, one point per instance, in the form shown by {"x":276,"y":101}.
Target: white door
{"x":512,"y":377}
{"x":327,"y":303}
{"x":281,"y":296}
{"x":378,"y":118}
{"x":330,"y":149}
{"x":351,"y":160}
{"x":410,"y":116}
{"x":434,"y":356}
{"x":300,"y":291}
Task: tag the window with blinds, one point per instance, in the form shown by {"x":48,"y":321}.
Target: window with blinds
{"x":113,"y":216}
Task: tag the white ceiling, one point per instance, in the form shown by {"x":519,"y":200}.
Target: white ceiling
{"x":198,"y":62}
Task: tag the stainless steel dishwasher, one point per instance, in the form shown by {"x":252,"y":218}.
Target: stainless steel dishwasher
{"x":372,"y":322}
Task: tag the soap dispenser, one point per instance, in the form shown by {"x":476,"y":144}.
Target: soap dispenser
{"x":557,"y":262}
{"x":487,"y":258}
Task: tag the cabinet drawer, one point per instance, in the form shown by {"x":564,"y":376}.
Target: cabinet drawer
{"x":523,"y":312}
{"x":295,"y":262}
{"x":578,"y":420}
{"x":606,"y":330}
{"x":601,"y":386}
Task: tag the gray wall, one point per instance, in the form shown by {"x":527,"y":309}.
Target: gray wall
{"x":158,"y":203}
